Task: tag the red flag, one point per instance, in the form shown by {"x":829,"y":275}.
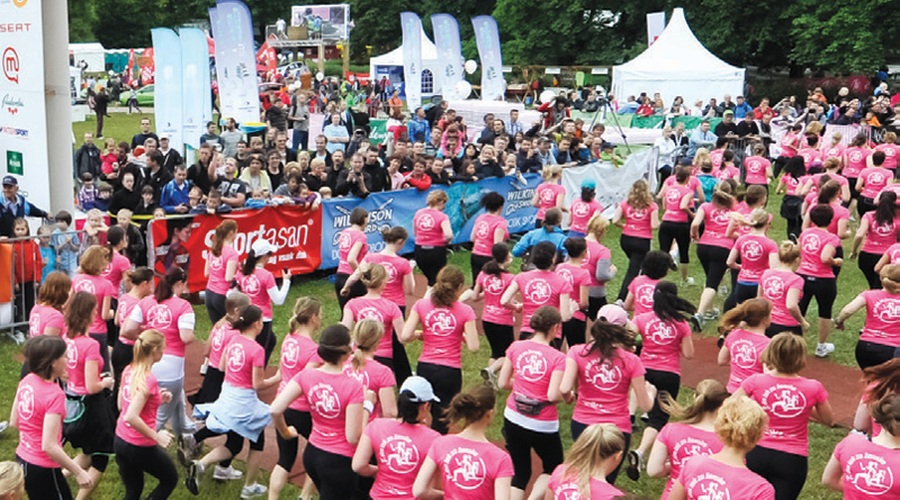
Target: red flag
{"x":130,"y":73}
{"x":266,"y":57}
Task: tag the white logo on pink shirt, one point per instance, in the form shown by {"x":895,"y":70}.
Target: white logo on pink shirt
{"x":869,"y":474}
{"x":465,"y":468}
{"x":672,"y":195}
{"x":882,"y":230}
{"x":876,"y":178}
{"x":425,"y":222}
{"x":720,"y":217}
{"x":215,"y":263}
{"x":481,"y":230}
{"x":567,"y":491}
{"x":532,"y":366}
{"x":752,"y":250}
{"x":855,"y":157}
{"x":360,"y":376}
{"x":250,"y":285}
{"x":580,"y":209}
{"x":126,"y":388}
{"x":689,"y":447}
{"x":26,"y":403}
{"x":644,"y":295}
{"x":399,"y":453}
{"x":441,"y":322}
{"x":325,"y":401}
{"x":774,"y":287}
{"x":887,"y":310}
{"x":236,"y":357}
{"x":71,"y":354}
{"x":708,"y":486}
{"x":217,"y":337}
{"x":290,"y":353}
{"x":370,"y":312}
{"x":493,"y":285}
{"x":639,"y":213}
{"x":662,"y":333}
{"x":566,"y":273}
{"x":604,"y":375}
{"x":547,"y":195}
{"x":888,"y":152}
{"x":344,"y":241}
{"x":537,"y":291}
{"x":34,"y":325}
{"x":391,"y":271}
{"x":743,"y":354}
{"x":811,"y":244}
{"x":85,"y":286}
{"x":159,"y":316}
{"x":784,"y":400}
{"x":754,"y":166}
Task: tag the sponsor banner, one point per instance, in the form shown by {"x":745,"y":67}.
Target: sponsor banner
{"x":167,"y":98}
{"x":412,"y":58}
{"x":295,"y":232}
{"x":613,"y":183}
{"x":487,"y":37}
{"x":449,"y":54}
{"x":397,"y":208}
{"x":195,"y":96}
{"x":235,"y":60}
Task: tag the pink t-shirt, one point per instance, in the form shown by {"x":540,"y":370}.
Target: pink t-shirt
{"x":166,"y":317}
{"x":381,"y":310}
{"x":256,"y":286}
{"x":833,"y":151}
{"x":882,"y":318}
{"x":854,"y":161}
{"x":704,"y":478}
{"x":548,"y":193}
{"x":642,"y":288}
{"x":400,"y":449}
{"x":775,"y":284}
{"x":727,"y":172}
{"x":100,"y":288}
{"x":493,"y":287}
{"x":563,"y":488}
{"x":693,"y":182}
{"x":329,"y":395}
{"x":672,"y":203}
{"x":123,"y":312}
{"x":485,"y":227}
{"x":789,"y":144}
{"x":788,"y":401}
{"x":603,"y":386}
{"x":43,"y":317}
{"x":346,"y":239}
{"x":638,"y":220}
{"x":540,"y":288}
{"x":840,"y":179}
{"x":716,"y":156}
{"x":581,"y":213}
{"x":869,"y":470}
{"x":219,"y":337}
{"x":80,"y":350}
{"x":812,"y":242}
{"x":297,"y":351}
{"x":533,"y":364}
{"x":876,"y":179}
{"x":576,"y":277}
{"x":754,"y":251}
{"x":148,"y":413}
{"x":683,"y":441}
{"x":879,"y":237}
{"x":893,"y":253}
{"x":791,"y":185}
{"x":745,"y":352}
{"x":242,"y":356}
{"x":374,"y":376}
{"x":397,"y":269}
{"x":469,"y":468}
{"x":891,"y":152}
{"x":662,"y":342}
{"x":35,"y":399}
{"x":840,"y":213}
{"x":427,"y":227}
{"x":115,"y":269}
{"x":217,"y":267}
{"x":442,"y":332}
{"x":716,"y":226}
{"x":756,"y":167}
{"x":809,"y":155}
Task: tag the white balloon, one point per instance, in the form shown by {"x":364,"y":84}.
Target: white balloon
{"x":470,"y":66}
{"x":320,"y":76}
{"x":462,"y":89}
{"x":547,"y":95}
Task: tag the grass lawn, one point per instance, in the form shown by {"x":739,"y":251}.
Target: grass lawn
{"x":822,"y":440}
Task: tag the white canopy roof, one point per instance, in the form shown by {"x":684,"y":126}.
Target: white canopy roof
{"x":395,"y":57}
{"x":677,"y":64}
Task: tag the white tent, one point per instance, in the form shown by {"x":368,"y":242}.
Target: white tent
{"x":92,"y":53}
{"x":677,"y":64}
{"x":391,"y":64}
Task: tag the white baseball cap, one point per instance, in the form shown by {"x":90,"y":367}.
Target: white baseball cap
{"x":420,"y":388}
{"x":262,"y":247}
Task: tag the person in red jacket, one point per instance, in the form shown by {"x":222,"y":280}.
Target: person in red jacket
{"x":417,"y":177}
{"x":27,"y":266}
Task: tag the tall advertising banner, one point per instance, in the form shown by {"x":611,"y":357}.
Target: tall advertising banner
{"x":487,"y":37}
{"x":23,"y":112}
{"x":412,"y":58}
{"x":167,"y":99}
{"x":195,"y":96}
{"x":656,"y":23}
{"x":449,"y":54}
{"x":235,"y":61}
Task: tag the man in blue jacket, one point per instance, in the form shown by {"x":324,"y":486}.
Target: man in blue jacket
{"x":15,"y":206}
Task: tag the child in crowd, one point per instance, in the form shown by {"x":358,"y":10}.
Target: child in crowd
{"x":104,"y":197}
{"x":48,"y":253}
{"x":136,"y":249}
{"x":257,"y":199}
{"x":88,"y":194}
{"x":66,"y":243}
{"x":146,"y":209}
{"x":325,"y":192}
{"x":159,"y":213}
{"x":94,"y":229}
{"x":212,"y":206}
{"x":26,"y":268}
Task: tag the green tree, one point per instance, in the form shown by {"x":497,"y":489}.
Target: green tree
{"x":82,"y":18}
{"x":125,"y":23}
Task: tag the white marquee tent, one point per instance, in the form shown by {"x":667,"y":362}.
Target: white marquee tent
{"x":677,"y":64}
{"x":391,"y":64}
{"x":91,"y":53}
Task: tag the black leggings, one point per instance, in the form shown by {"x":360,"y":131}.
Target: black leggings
{"x":134,"y":461}
{"x":574,"y":331}
{"x":519,"y":443}
{"x":446,"y":382}
{"x":121,"y":357}
{"x":774,"y":329}
{"x":287,"y":448}
{"x":267,"y":340}
{"x":824,"y":290}
{"x":499,"y":336}
{"x":43,"y":482}
{"x":112,"y":329}
{"x":102,"y":339}
{"x":866,"y":262}
{"x":234,"y":442}
{"x":712,"y":259}
{"x":431,"y":260}
{"x":357,"y":290}
{"x":680,"y":233}
{"x":477,"y":262}
{"x":215,"y":306}
{"x":398,"y":362}
{"x":577,"y":428}
{"x":636,"y":249}
{"x":785,"y":471}
{"x":864,"y":205}
{"x":664,"y":381}
{"x":331,"y":473}
{"x":871,"y":354}
{"x":594,"y":305}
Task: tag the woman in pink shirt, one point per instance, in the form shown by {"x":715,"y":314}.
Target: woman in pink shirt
{"x":549,"y":194}
{"x":878,"y":230}
{"x":259,"y":284}
{"x":38,"y":412}
{"x":880,"y":336}
{"x":116,"y":243}
{"x":489,"y":229}
{"x":890,"y":149}
{"x":758,"y":167}
{"x":744,"y":334}
{"x":139,"y":447}
{"x":756,"y":253}
{"x":871,"y":181}
{"x":694,"y":435}
{"x":656,"y":266}
{"x":790,"y":401}
{"x":46,"y":316}
{"x":339,"y":409}
{"x":352,"y":249}
{"x":830,"y":194}
{"x":891,"y":256}
{"x":468,"y":465}
{"x":713,"y":246}
{"x":497,"y":321}
{"x":399,"y":445}
{"x":818,"y":250}
{"x":91,"y":266}
{"x":678,"y":203}
{"x":583,"y":209}
{"x":739,"y":425}
{"x":374,"y":376}
{"x":598,"y":263}
{"x":221,"y":267}
{"x":792,"y":203}
{"x":579,"y":280}
{"x":219,"y":336}
{"x":596,"y":453}
{"x":854,"y":160}
{"x":638,"y":217}
{"x":141,"y":282}
{"x":432,"y":233}
{"x":782,"y":287}
{"x":445,"y":323}
{"x":374,"y":306}
{"x":532,"y":371}
{"x":666,"y":336}
{"x":238,"y":412}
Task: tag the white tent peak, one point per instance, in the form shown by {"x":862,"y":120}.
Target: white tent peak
{"x":395,"y":57}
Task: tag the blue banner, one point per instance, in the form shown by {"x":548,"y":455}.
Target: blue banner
{"x":167,"y":109}
{"x":235,"y":60}
{"x":487,"y":37}
{"x":397,"y":208}
{"x":196,"y":104}
{"x":449,"y":55}
{"x":412,"y":58}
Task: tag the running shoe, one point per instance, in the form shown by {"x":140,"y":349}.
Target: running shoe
{"x":697,"y":322}
{"x":226,"y":473}
{"x":253,"y":490}
{"x":633,"y":471}
{"x":192,"y":481}
{"x":490,"y":378}
{"x":823,"y":350}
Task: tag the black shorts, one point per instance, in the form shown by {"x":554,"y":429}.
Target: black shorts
{"x":870,"y":354}
{"x":774,"y":329}
{"x":824,"y":290}
{"x":712,"y":259}
{"x":477,"y":262}
{"x":446,"y":382}
{"x":785,"y":471}
{"x":664,"y":381}
{"x":431,"y":260}
{"x":519,"y":443}
{"x":500,"y":337}
{"x":854,"y":194}
{"x":287,"y":448}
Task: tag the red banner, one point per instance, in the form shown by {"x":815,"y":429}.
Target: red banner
{"x":295,"y":232}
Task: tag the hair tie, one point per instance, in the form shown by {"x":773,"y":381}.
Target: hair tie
{"x":241,"y":318}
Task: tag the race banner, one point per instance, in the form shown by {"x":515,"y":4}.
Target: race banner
{"x":167,"y":98}
{"x":613,"y":183}
{"x":487,"y":37}
{"x":235,"y":60}
{"x":196,"y":105}
{"x":412,"y":58}
{"x":449,"y":54}
{"x":294,"y":231}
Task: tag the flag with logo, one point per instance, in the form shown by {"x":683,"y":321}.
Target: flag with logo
{"x":265,"y":58}
{"x":412,"y":58}
{"x":449,"y":54}
{"x":487,"y":37}
{"x":196,"y":103}
{"x":235,"y":60}
{"x":167,"y":97}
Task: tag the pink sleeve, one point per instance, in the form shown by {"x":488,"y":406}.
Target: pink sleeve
{"x":468,"y":313}
{"x":387,"y":378}
{"x":57,"y":404}
{"x":259,"y":357}
{"x":559,"y":364}
{"x":93,"y":352}
{"x":505,"y":466}
{"x":396,"y":312}
{"x":417,"y":307}
{"x":356,"y":394}
{"x":56,"y":321}
{"x":821,"y":393}
{"x":636,"y":367}
{"x":269,"y":281}
{"x":749,"y":384}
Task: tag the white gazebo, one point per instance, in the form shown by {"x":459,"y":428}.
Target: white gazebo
{"x":391,"y":64}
